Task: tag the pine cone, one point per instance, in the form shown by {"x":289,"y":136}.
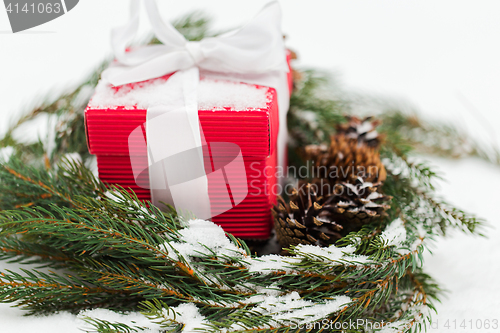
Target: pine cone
{"x":344,"y":194}
{"x":363,"y":130}
{"x":313,"y":218}
{"x":360,"y":203}
{"x":305,"y":219}
{"x":345,"y":160}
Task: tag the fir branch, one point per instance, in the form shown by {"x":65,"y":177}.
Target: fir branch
{"x":46,"y":293}
{"x":410,"y":185}
{"x":411,"y":132}
{"x":14,"y":250}
{"x":417,"y":293}
{"x":114,"y":245}
{"x":42,"y":188}
{"x":113,"y":255}
{"x":105,"y":326}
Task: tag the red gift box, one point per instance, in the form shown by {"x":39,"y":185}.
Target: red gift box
{"x":254,"y":130}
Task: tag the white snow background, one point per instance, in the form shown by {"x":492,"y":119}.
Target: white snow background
{"x":442,"y":56}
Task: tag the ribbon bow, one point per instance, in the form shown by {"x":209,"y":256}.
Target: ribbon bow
{"x":254,"y":54}
{"x":256,"y":48}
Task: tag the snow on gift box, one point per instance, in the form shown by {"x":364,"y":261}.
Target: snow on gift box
{"x":199,"y":125}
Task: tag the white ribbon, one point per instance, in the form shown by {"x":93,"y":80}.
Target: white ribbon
{"x":254,"y":54}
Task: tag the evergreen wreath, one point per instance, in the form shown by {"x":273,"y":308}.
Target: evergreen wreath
{"x":99,"y":247}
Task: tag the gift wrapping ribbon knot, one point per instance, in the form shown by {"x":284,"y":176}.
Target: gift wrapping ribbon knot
{"x":253,"y":54}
